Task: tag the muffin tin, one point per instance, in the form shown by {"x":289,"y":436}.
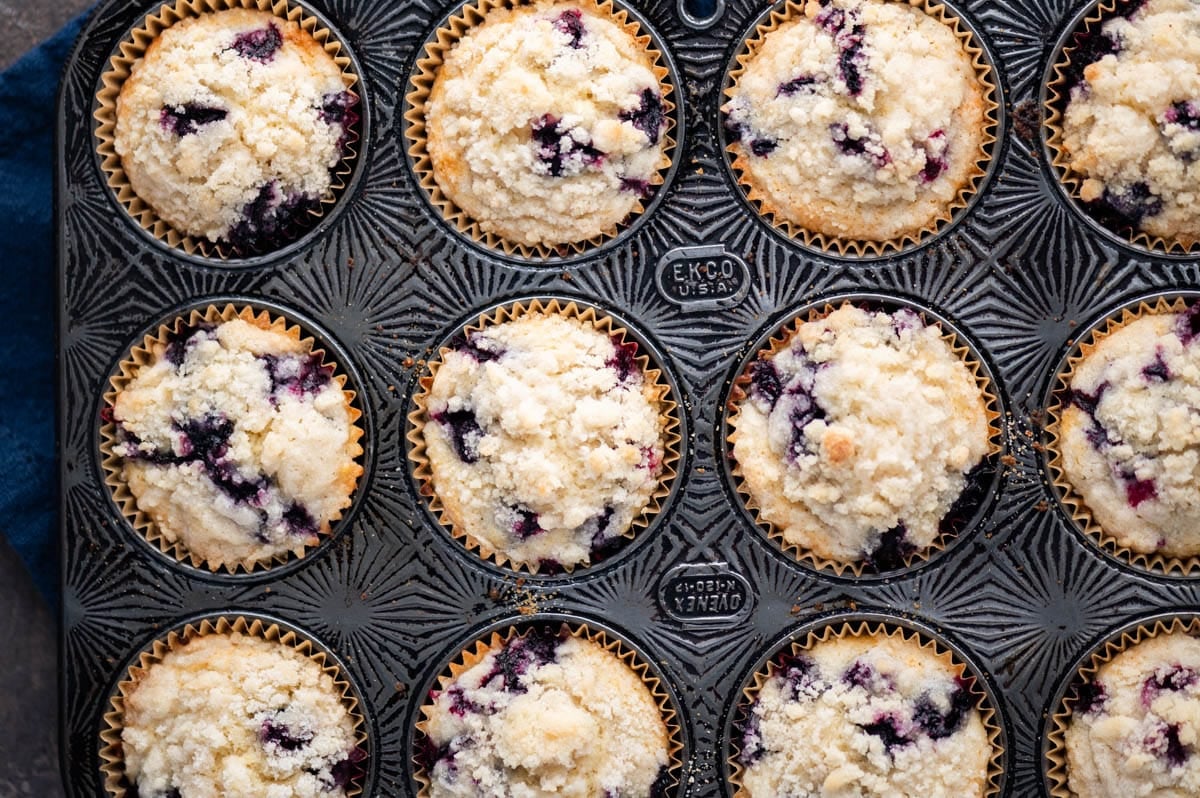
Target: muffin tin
{"x":382,"y":280}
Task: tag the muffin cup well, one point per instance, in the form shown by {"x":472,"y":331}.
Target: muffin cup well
{"x":789,"y":10}
{"x":142,"y":355}
{"x":653,"y":375}
{"x":1054,"y":763}
{"x":112,"y":761}
{"x":134,"y":47}
{"x":1058,"y":400}
{"x":474,"y":654}
{"x":470,"y":15}
{"x":1056,"y":96}
{"x":849,"y":627}
{"x":977,"y":485}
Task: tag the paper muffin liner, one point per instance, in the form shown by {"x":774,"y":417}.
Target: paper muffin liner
{"x":130,"y":52}
{"x":1055,"y":745}
{"x":474,"y":654}
{"x":143,"y":355}
{"x":866,"y":248}
{"x":421,"y":86}
{"x":780,"y":341}
{"x":112,"y":757}
{"x":654,"y":377}
{"x":1058,"y":96}
{"x":1072,"y":502}
{"x":850,"y":628}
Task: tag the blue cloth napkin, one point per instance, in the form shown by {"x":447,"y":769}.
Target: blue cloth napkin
{"x":28,"y":512}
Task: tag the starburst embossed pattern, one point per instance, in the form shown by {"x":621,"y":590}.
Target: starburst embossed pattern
{"x":700,"y":278}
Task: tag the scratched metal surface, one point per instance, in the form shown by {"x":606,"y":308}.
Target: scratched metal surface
{"x":382,"y":280}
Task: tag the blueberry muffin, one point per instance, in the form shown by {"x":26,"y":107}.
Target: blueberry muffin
{"x":237,"y":715}
{"x":858,"y":120}
{"x":236,"y":440}
{"x":230,"y":126}
{"x":545,"y":440}
{"x":1128,"y":436}
{"x":544,"y":714}
{"x":1135,"y":725}
{"x":893,"y":720}
{"x":1131,"y":129}
{"x":856,"y":435}
{"x":546,"y":123}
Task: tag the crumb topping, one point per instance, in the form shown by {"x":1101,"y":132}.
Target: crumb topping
{"x":237,"y":441}
{"x":546,"y":123}
{"x":1136,"y":725}
{"x":238,"y":715}
{"x":1130,"y":433}
{"x":856,"y":439}
{"x":1132,"y":125}
{"x":544,"y":438}
{"x":229,"y":125}
{"x":546,"y":715}
{"x":860,"y":119}
{"x":893,"y":720}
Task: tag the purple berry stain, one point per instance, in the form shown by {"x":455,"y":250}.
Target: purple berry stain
{"x":259,"y":45}
{"x":848,"y":36}
{"x":893,"y":549}
{"x":562,"y":151}
{"x":887,"y":729}
{"x":296,"y":375}
{"x":1172,"y":679}
{"x":798,"y":672}
{"x":750,"y":736}
{"x":1088,"y":48}
{"x":183,"y":341}
{"x":859,"y":674}
{"x":1188,"y":326}
{"x":935,"y":160}
{"x":937,"y":724}
{"x":765,"y":383}
{"x":526,"y":524}
{"x":536,"y":648}
{"x":570,"y":22}
{"x":624,"y":359}
{"x":1164,"y":741}
{"x":649,"y":116}
{"x":186,"y":119}
{"x":1186,"y":114}
{"x":1125,"y":208}
{"x":868,"y":147}
{"x":1157,"y":371}
{"x":635,"y":186}
{"x":797,"y":85}
{"x":1090,"y":697}
{"x":465,"y":433}
{"x":299,"y":522}
{"x":479,"y":347}
{"x":265,"y":220}
{"x":280,"y":735}
{"x":350,"y":769}
{"x":1138,"y":491}
{"x":339,"y":108}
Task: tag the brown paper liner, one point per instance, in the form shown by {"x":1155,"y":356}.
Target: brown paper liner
{"x":476,"y":653}
{"x":654,"y":378}
{"x":144,"y":354}
{"x":1058,"y":96}
{"x":131,"y":51}
{"x":1056,"y":736}
{"x":423,"y":77}
{"x":861,"y":248}
{"x":112,"y":756}
{"x":863,"y":628}
{"x":740,"y":393}
{"x":1072,"y":503}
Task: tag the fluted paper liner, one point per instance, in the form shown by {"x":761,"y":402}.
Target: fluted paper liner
{"x":421,"y":85}
{"x":475,"y":654}
{"x":984,"y":703}
{"x":131,"y":50}
{"x":1073,"y":504}
{"x":778,"y":342}
{"x":112,"y":757}
{"x":668,"y":412}
{"x":143,"y":355}
{"x":1056,"y":736}
{"x":860,"y":248}
{"x":1058,"y":95}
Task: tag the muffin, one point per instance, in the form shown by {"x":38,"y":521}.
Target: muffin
{"x":234,"y":714}
{"x":230,"y":127}
{"x":1127,"y":434}
{"x":546,"y":713}
{"x":546,"y":124}
{"x":858,"y":120}
{"x":1130,"y":132}
{"x":545,"y":438}
{"x":234,"y":438}
{"x":855,"y":434}
{"x":1135,"y":723}
{"x":893,"y":719}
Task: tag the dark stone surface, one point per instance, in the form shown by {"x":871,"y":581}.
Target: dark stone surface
{"x":28,"y":637}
